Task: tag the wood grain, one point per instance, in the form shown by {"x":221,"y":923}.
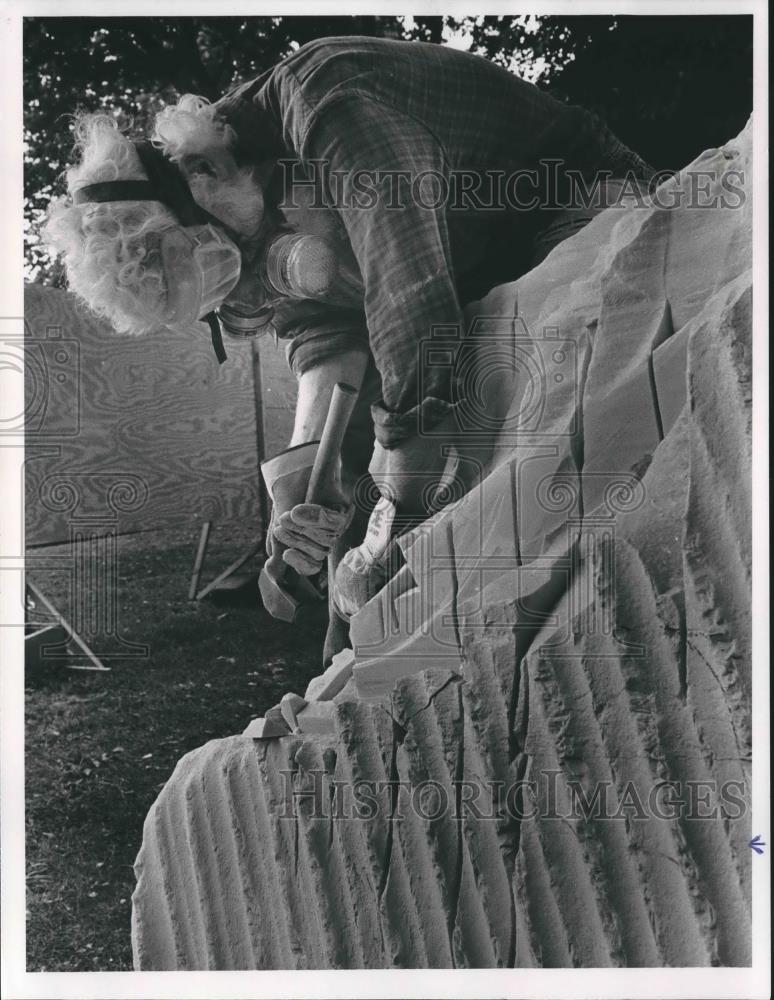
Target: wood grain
{"x":278,"y":395}
{"x":155,"y":413}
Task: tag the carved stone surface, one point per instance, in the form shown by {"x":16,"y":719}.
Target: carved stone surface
{"x":543,"y":755}
{"x":329,"y":684}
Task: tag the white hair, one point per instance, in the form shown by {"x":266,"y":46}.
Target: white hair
{"x":190,"y":126}
{"x":103,"y":243}
{"x":193,"y":126}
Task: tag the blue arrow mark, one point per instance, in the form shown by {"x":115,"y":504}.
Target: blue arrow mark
{"x":757,"y":844}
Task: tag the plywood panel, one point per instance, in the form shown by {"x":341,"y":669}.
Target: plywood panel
{"x":278,"y":385}
{"x":142,"y":432}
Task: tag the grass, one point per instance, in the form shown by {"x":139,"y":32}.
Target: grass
{"x":100,"y":746}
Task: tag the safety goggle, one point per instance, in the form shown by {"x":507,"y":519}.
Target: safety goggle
{"x":200,"y":266}
{"x":166,"y":184}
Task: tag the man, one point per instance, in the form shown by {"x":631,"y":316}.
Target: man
{"x":427,"y":172}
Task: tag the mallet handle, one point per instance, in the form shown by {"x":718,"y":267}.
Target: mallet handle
{"x":323,"y":482}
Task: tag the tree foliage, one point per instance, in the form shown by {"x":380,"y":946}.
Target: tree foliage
{"x":668,"y":86}
{"x":133,"y":66}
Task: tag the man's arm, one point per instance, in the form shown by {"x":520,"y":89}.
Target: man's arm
{"x":309,"y":531}
{"x":315,"y":387}
{"x":386,"y":174}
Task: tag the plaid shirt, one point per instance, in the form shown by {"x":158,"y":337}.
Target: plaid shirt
{"x":379,"y":131}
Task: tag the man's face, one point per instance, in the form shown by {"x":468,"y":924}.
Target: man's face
{"x":226,"y":190}
{"x":201,"y":265}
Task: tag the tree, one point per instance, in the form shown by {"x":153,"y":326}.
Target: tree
{"x":133,"y":66}
{"x":668,"y":86}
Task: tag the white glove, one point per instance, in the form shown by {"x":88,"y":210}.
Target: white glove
{"x":364,"y":570}
{"x":309,"y":531}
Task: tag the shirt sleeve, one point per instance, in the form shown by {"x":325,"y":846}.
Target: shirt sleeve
{"x":388,"y":178}
{"x":316,"y":331}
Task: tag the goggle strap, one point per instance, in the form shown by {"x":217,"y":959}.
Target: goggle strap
{"x":167,"y":185}
{"x":217,"y":337}
{"x":116,"y":191}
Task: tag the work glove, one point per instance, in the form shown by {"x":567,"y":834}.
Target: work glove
{"x":309,"y":531}
{"x":364,"y":570}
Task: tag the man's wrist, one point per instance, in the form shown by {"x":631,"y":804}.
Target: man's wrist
{"x":315,"y":388}
{"x":314,"y":398}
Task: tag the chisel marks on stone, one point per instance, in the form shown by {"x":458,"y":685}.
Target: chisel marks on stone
{"x":400,"y":916}
{"x":259,"y":865}
{"x":562,"y":850}
{"x":620,"y":664}
{"x":542,"y":915}
{"x":325,"y":871}
{"x":279,"y":770}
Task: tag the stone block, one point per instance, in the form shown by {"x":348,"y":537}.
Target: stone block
{"x":605,"y":669}
{"x":548,"y":491}
{"x":654,"y":522}
{"x":530,"y":593}
{"x":375,"y":679}
{"x":410,"y":627}
{"x":670,"y":361}
{"x":369,"y":627}
{"x":484,"y":540}
{"x":621,"y":434}
{"x":271,"y":726}
{"x":709,"y":240}
{"x":402,"y":607}
{"x":290,"y":705}
{"x":317,"y":719}
{"x":332,"y":681}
